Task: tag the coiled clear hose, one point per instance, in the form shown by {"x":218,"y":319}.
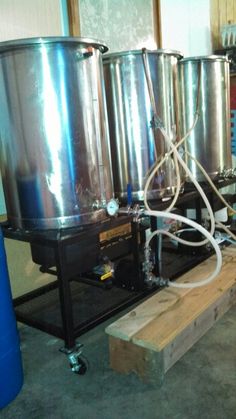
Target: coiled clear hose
{"x":202,"y":230}
{"x":197,"y":227}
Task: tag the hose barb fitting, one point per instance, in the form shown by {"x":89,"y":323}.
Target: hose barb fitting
{"x":155,"y":281}
{"x":148,"y":265}
{"x":227,"y":173}
{"x":136,"y":211}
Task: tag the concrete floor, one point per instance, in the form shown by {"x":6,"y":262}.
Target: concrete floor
{"x":201,"y":385}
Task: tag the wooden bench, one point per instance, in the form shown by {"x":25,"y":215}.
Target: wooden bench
{"x":157,"y":333}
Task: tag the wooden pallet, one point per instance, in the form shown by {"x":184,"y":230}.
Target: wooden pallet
{"x":157,"y":333}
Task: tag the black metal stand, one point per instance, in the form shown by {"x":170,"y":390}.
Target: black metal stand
{"x":67,"y":270}
{"x":68,"y":307}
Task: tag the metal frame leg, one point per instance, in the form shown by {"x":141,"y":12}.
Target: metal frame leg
{"x":155,"y":246}
{"x":65,"y":296}
{"x":139,"y":283}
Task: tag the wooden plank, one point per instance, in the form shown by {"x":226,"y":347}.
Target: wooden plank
{"x":127,"y":326}
{"x":125,"y":358}
{"x":131,"y":323}
{"x":160,"y":342}
{"x":160,"y":331}
{"x":73,"y":17}
{"x":197,"y":328}
{"x":151,"y":366}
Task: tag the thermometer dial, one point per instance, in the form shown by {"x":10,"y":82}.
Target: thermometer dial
{"x":112,"y":207}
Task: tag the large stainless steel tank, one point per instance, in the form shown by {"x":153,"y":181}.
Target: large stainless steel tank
{"x":133,"y":145}
{"x":55,"y":160}
{"x":209,"y":141}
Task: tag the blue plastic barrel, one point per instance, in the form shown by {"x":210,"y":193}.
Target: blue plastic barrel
{"x":11,"y":372}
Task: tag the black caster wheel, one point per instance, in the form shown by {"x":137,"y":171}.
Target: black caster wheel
{"x":79,"y":367}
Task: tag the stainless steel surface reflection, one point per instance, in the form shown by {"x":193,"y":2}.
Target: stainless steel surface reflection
{"x":209,"y":142}
{"x":55,"y":159}
{"x":133,"y":145}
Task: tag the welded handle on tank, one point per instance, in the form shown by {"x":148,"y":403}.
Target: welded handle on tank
{"x":83,"y":56}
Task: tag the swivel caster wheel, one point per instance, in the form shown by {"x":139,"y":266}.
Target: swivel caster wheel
{"x":78,"y":366}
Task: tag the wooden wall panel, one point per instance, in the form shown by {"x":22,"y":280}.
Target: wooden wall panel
{"x":234,"y":8}
{"x":223,"y":12}
{"x":215,"y":23}
{"x":230,"y":10}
